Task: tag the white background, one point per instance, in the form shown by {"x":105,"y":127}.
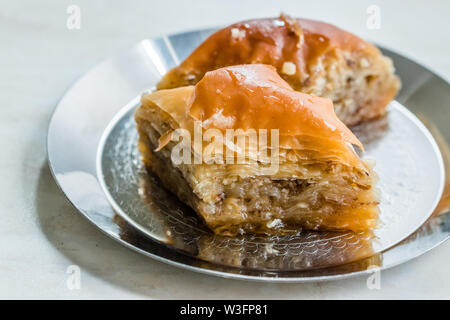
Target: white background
{"x":41,"y":234}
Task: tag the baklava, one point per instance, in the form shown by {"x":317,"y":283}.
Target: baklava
{"x":302,"y":172}
{"x":313,"y":57}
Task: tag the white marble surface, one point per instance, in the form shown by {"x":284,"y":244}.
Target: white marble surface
{"x":41,"y":234}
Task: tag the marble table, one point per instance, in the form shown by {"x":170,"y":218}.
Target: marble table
{"x":44,"y":242}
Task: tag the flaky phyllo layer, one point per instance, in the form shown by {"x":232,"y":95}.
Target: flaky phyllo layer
{"x":306,"y":175}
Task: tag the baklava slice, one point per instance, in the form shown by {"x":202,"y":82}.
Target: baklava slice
{"x":301,"y":170}
{"x":313,"y":57}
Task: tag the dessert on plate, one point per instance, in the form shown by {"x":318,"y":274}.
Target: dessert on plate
{"x":300,"y":171}
{"x":313,"y":57}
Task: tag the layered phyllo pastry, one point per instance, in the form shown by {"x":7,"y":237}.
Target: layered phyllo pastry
{"x":250,"y":154}
{"x":312,"y":57}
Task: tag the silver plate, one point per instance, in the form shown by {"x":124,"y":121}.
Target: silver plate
{"x":85,"y":113}
{"x":405,"y":152}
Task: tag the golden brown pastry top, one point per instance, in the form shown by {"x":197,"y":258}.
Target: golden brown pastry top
{"x":254,"y":96}
{"x":275,"y":41}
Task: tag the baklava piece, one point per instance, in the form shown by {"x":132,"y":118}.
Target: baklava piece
{"x":314,"y":180}
{"x":313,"y":57}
